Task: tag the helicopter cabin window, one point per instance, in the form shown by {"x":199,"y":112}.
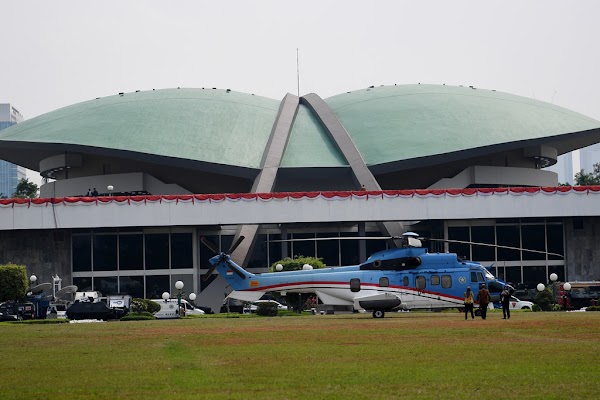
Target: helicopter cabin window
{"x":477,"y":277}
{"x":420,"y":282}
{"x":405,"y":281}
{"x":355,"y":285}
{"x":384,"y":281}
{"x":435,"y":279}
{"x":446,"y":281}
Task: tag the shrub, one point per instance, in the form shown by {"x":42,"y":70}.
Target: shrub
{"x":144,"y":305}
{"x":138,"y":316}
{"x":267,"y":309}
{"x":13,"y":282}
{"x":296,"y":263}
{"x":536,"y":308}
{"x":544,"y":299}
{"x":593,"y":308}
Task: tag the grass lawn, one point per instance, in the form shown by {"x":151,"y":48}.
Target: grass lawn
{"x":405,"y":355}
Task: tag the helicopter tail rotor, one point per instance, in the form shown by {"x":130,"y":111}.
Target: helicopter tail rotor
{"x":223,"y":257}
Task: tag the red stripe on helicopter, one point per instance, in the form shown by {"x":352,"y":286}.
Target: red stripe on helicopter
{"x":346,"y":285}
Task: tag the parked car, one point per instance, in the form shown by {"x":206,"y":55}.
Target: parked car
{"x":23,"y":310}
{"x":516,"y":304}
{"x":7,"y":317}
{"x":252,"y":307}
{"x":190,"y":309}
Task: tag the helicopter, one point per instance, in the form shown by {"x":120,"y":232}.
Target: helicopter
{"x":403,"y":278}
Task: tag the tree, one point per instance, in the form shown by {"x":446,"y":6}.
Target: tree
{"x":588,"y":179}
{"x":26,"y":189}
{"x":13,"y":282}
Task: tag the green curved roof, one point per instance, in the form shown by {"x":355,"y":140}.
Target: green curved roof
{"x":387,"y":124}
{"x":211,"y":125}
{"x":392,"y":123}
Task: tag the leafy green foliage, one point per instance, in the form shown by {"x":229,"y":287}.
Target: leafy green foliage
{"x":267,"y":309}
{"x":138,"y":316}
{"x":593,"y":308}
{"x":296,"y":263}
{"x":13,"y":282}
{"x":144,"y":305}
{"x":26,"y":189}
{"x":588,"y":179}
{"x":545,"y":299}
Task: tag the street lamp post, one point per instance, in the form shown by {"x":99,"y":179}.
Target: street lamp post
{"x":110,"y":189}
{"x":553,"y":278}
{"x":179,"y":286}
{"x":566,"y":288}
{"x":32,"y":280}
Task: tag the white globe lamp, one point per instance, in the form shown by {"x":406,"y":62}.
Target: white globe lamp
{"x":166,"y":296}
{"x":279,"y":268}
{"x":553,"y":277}
{"x":307,"y":267}
{"x":192,"y":296}
{"x":541,"y":287}
{"x":567,"y":286}
{"x":178,"y":285}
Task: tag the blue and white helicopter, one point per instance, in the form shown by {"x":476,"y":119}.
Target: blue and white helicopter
{"x":404,"y":278}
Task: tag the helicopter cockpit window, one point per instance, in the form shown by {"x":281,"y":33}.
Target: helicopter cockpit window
{"x":405,"y":281}
{"x":384,"y":281}
{"x":435,"y":279}
{"x":488,"y":274}
{"x":446,"y":281}
{"x":420,"y":282}
{"x":477,"y":277}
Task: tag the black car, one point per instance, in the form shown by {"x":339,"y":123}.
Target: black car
{"x":7,"y":317}
{"x":23,"y":310}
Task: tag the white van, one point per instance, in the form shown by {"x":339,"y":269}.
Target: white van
{"x":168,"y":308}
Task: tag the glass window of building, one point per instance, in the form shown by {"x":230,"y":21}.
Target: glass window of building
{"x":462,"y":250}
{"x":554,"y":234}
{"x":131,"y":252}
{"x":512,"y":275}
{"x":349,"y":249}
{"x":83,"y":284}
{"x":106,"y":285}
{"x":205,"y":253}
{"x":156,"y":285}
{"x":105,"y":252}
{"x":374,"y":246}
{"x":132,"y":285}
{"x":157,"y":251}
{"x":181,"y":250}
{"x":259,"y":253}
{"x":509,"y":236}
{"x":534,"y":238}
{"x":82,"y":253}
{"x":306,"y":249}
{"x":532,"y":275}
{"x":274,"y":248}
{"x":483,"y":234}
{"x":329,"y":250}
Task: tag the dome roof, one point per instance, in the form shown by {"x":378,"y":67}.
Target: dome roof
{"x":388,"y":124}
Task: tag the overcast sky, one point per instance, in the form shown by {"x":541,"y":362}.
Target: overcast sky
{"x":57,"y":53}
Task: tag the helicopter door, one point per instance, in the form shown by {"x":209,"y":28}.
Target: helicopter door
{"x":421,"y":299}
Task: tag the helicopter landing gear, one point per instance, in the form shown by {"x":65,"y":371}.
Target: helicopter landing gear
{"x":378,"y":314}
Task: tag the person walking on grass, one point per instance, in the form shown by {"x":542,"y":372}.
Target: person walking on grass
{"x":505,"y":300}
{"x":469,"y":303}
{"x":484,"y":298}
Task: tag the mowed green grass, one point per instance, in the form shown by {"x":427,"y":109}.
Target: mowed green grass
{"x":405,"y":355}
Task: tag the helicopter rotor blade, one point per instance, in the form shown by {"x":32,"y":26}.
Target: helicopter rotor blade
{"x":493,"y":245}
{"x":235,"y":244}
{"x":210,"y":245}
{"x":338,"y":238}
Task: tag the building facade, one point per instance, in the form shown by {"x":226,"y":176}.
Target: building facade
{"x":172,"y":166}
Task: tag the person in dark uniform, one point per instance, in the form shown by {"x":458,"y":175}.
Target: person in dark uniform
{"x":483,"y":297}
{"x":505,"y":300}
{"x":469,"y":303}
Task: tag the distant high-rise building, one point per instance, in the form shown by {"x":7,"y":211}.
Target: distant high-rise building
{"x":10,"y":174}
{"x":571,"y":163}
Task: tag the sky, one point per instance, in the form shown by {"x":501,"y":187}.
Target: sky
{"x":61,"y":52}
